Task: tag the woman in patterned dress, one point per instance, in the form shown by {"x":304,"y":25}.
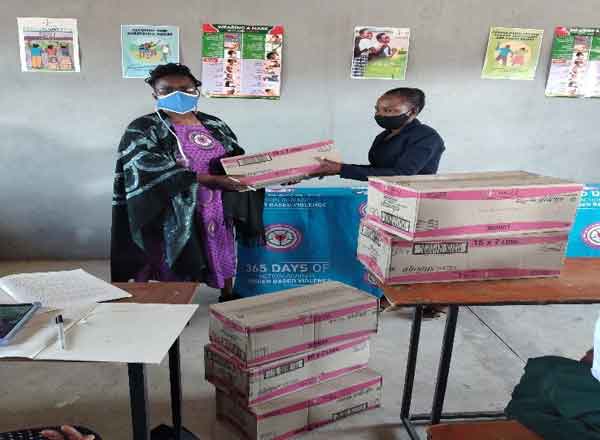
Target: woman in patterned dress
{"x":175,"y":214}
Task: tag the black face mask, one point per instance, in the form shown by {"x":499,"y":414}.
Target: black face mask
{"x":392,"y":122}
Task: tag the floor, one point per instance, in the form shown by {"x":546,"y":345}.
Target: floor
{"x":492,"y":345}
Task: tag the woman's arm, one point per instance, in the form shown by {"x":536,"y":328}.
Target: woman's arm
{"x":411,"y":162}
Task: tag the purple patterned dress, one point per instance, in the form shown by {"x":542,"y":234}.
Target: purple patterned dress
{"x":200,"y":147}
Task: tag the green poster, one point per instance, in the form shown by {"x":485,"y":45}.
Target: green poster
{"x":512,"y":53}
{"x":575,"y":65}
{"x":380,"y":53}
{"x":241,"y":61}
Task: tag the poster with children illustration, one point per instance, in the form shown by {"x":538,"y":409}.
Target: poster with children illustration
{"x":575,"y":66}
{"x":242,"y":61}
{"x":380,"y":52}
{"x":48,"y":44}
{"x":512,"y":53}
{"x":144,"y":47}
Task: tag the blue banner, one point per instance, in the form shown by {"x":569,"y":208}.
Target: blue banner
{"x":584,"y":240}
{"x":311,"y":238}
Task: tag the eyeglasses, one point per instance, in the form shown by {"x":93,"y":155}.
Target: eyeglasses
{"x":163,"y":91}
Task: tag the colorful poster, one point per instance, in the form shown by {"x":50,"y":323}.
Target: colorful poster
{"x":48,"y":44}
{"x":575,"y":66}
{"x":145,"y":47}
{"x":240,"y":61}
{"x":380,"y":52}
{"x":512,"y":53}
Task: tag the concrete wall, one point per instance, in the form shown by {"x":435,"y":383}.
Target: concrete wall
{"x":60,"y":131}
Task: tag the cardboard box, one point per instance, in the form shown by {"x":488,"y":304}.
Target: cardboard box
{"x":305,"y":410}
{"x":265,"y":328}
{"x":422,"y":208}
{"x":279,"y":166}
{"x":396,"y":261}
{"x":259,"y":384}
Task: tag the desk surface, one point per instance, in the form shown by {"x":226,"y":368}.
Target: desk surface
{"x":579,"y":283}
{"x":159,"y":293}
{"x":149,"y":293}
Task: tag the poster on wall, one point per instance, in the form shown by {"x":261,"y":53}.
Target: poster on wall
{"x":144,"y":47}
{"x":512,"y":53}
{"x":48,"y":44}
{"x":575,"y":63}
{"x":380,"y":52}
{"x":240,"y":61}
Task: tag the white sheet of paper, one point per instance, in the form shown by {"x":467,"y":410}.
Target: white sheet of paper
{"x":62,"y":289}
{"x":123,"y":332}
{"x":5,"y":298}
{"x":41,"y":331}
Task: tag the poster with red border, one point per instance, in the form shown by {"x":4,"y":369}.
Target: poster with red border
{"x":242,"y":61}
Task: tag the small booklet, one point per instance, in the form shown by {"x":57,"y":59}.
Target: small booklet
{"x":58,"y":290}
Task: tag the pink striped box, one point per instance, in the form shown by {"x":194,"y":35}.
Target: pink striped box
{"x":269,"y":327}
{"x":396,"y":261}
{"x":468,"y":205}
{"x":266,"y":382}
{"x":279,"y":166}
{"x":309,"y":409}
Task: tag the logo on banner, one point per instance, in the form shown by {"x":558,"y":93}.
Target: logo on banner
{"x":283,"y":237}
{"x":591,"y":235}
{"x":362,"y":209}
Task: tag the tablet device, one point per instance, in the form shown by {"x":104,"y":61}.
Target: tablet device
{"x":13,"y":317}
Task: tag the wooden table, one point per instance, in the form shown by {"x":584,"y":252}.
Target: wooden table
{"x":579,"y":283}
{"x":504,"y":430}
{"x":157,"y":293}
{"x":154,"y":293}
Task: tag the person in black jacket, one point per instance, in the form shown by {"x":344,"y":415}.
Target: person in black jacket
{"x":405,"y":147}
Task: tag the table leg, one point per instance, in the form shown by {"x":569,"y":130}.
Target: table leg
{"x":176,"y":396}
{"x":411,"y":363}
{"x":444,"y":366}
{"x":138,"y":394}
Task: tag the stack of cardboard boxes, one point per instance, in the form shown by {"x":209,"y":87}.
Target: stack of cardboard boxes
{"x":293,"y":361}
{"x":460,"y":227}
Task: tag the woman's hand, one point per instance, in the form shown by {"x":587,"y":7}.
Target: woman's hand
{"x":225,"y":183}
{"x":67,"y":433}
{"x":327,"y":168}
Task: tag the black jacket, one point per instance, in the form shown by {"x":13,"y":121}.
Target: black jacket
{"x":417,"y":149}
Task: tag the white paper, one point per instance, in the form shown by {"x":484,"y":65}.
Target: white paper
{"x":63,"y":289}
{"x":5,"y":298}
{"x":42,"y":331}
{"x":123,"y":332}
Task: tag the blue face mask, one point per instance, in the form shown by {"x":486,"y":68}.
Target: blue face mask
{"x":178,"y":102}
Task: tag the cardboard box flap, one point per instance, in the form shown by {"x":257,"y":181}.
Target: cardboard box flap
{"x":311,"y":396}
{"x":292,"y":304}
{"x":473,"y":180}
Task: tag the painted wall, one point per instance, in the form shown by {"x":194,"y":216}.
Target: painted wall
{"x":60,"y":131}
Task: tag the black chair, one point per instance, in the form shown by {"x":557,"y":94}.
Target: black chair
{"x":35,"y":433}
